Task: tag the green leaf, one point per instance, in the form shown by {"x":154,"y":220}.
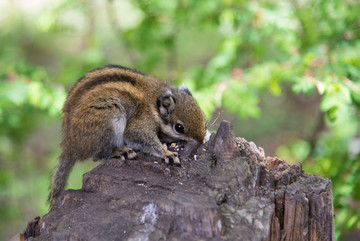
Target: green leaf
{"x":15,"y":92}
{"x":303,"y":85}
{"x":332,"y":113}
{"x":275,"y":88}
{"x":241,"y":101}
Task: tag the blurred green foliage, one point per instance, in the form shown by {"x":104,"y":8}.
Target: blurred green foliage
{"x":245,"y":56}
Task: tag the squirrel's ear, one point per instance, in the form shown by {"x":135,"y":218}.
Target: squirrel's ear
{"x":185,"y":89}
{"x":166,"y":104}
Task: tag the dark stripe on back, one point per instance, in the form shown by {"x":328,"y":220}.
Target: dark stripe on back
{"x":110,"y":66}
{"x":106,"y":78}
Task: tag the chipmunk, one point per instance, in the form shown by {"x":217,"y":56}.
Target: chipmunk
{"x":115,"y":111}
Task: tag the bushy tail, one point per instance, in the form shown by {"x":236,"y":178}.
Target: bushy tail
{"x":60,"y":176}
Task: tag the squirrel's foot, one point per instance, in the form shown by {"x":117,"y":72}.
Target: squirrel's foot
{"x":124,"y":153}
{"x":172,"y":157}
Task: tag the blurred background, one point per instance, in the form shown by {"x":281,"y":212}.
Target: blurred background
{"x":285,"y":73}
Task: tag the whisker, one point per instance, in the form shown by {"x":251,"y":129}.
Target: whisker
{"x":217,"y":117}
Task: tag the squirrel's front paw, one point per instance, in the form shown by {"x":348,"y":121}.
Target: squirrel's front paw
{"x":171,"y":157}
{"x":124,"y":153}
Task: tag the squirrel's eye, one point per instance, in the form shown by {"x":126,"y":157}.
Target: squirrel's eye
{"x":179,"y":128}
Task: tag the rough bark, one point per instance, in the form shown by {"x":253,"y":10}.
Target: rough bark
{"x":225,"y":189}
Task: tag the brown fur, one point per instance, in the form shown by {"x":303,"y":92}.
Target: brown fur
{"x":116,"y":108}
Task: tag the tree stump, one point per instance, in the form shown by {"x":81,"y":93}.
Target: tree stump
{"x":225,"y":189}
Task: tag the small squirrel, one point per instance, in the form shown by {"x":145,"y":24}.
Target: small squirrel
{"x":114,"y":111}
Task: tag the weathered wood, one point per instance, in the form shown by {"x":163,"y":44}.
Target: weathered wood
{"x":225,"y":189}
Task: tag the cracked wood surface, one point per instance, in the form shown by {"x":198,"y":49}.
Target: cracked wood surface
{"x":225,"y":189}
